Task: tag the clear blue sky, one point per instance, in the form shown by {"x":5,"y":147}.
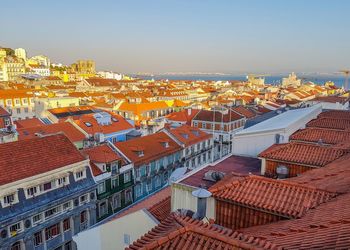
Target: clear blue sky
{"x":184,"y":35}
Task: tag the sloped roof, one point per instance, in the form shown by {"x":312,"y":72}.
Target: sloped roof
{"x":314,"y":135}
{"x":325,"y":227}
{"x":101,"y":154}
{"x":29,"y":123}
{"x":284,"y":198}
{"x":244,"y":111}
{"x":209,"y":116}
{"x":338,"y":114}
{"x":67,"y":128}
{"x":178,"y":233}
{"x":189,"y":135}
{"x":3,"y":112}
{"x":331,"y":123}
{"x":152,"y":146}
{"x":26,"y":158}
{"x":304,"y":153}
{"x":185,"y":115}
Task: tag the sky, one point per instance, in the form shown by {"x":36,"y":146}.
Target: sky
{"x":209,"y":36}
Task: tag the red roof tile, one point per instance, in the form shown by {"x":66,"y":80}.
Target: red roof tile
{"x":152,"y":146}
{"x":337,"y":114}
{"x":161,"y":209}
{"x":209,"y":116}
{"x":327,"y":136}
{"x":331,"y":123}
{"x":23,"y":159}
{"x":179,"y":233}
{"x":244,"y":111}
{"x":101,"y":154}
{"x":29,"y":123}
{"x":3,"y":112}
{"x":67,"y":128}
{"x":185,"y":116}
{"x":304,"y":153}
{"x":189,"y":135}
{"x":325,"y":227}
{"x":283,"y":198}
{"x":331,"y":99}
{"x":117,"y":125}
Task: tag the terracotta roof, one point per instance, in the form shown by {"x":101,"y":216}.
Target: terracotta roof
{"x":238,"y":166}
{"x":138,"y":108}
{"x":244,"y":111}
{"x":152,"y":147}
{"x":101,"y":154}
{"x":331,"y":123}
{"x":189,"y":135}
{"x":331,"y":99}
{"x":208,"y":115}
{"x":23,"y":159}
{"x":29,"y":123}
{"x":280,"y":197}
{"x":161,"y":209}
{"x":67,"y":128}
{"x":185,"y":115}
{"x":95,"y":170}
{"x":325,"y":227}
{"x":3,"y":112}
{"x":153,"y":203}
{"x":90,"y":125}
{"x":334,"y":177}
{"x":338,"y":114}
{"x":178,"y":233}
{"x":304,"y":153}
{"x":327,"y":136}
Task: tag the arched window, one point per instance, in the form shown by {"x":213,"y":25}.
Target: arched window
{"x":16,"y":246}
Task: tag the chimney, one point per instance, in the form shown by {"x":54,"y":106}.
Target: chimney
{"x":202,"y":195}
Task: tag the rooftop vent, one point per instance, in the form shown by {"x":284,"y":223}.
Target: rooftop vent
{"x":282,"y":172}
{"x":213,"y":176}
{"x":202,"y":195}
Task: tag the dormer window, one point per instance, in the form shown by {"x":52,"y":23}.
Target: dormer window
{"x":184,"y":135}
{"x":9,"y":199}
{"x":195,"y":132}
{"x":165,"y":144}
{"x":140,"y":153}
{"x":88,"y":124}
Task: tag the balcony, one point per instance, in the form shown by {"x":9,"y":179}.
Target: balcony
{"x":84,"y":226}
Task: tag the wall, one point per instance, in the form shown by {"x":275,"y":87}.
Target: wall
{"x":294,"y":169}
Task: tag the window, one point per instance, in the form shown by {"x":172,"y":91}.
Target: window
{"x":53,"y":231}
{"x":9,"y":199}
{"x":83,"y":217}
{"x":127,"y":177}
{"x":101,"y":188}
{"x":52,"y":212}
{"x":127,"y":239}
{"x":128,"y":196}
{"x":31,"y":191}
{"x":16,"y":246}
{"x":17,"y":102}
{"x":38,"y":238}
{"x":117,"y":201}
{"x":115,"y":181}
{"x":48,"y":186}
{"x":84,"y":199}
{"x":15,"y":228}
{"x":88,"y":124}
{"x":66,"y":224}
{"x":9,"y":102}
{"x":67,"y":205}
{"x":37,"y":218}
{"x":138,"y":190}
{"x":25,"y":101}
{"x":103,"y":208}
{"x":158,"y":182}
{"x":79,"y":175}
{"x":25,"y":110}
{"x":149,"y":186}
{"x":18,"y":110}
{"x":61,"y":181}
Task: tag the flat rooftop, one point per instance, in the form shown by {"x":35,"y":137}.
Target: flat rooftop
{"x":239,"y":165}
{"x":281,"y":121}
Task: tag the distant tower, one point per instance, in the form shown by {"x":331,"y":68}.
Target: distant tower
{"x":346,"y":74}
{"x":21,"y":53}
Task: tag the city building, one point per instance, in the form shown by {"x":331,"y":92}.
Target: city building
{"x":21,"y":53}
{"x":47,"y":193}
{"x":7,"y":129}
{"x":197,"y":145}
{"x":154,"y":157}
{"x":276,"y":129}
{"x":291,"y":81}
{"x":222,"y":124}
{"x":13,"y":67}
{"x":18,"y":103}
{"x":114,"y":178}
